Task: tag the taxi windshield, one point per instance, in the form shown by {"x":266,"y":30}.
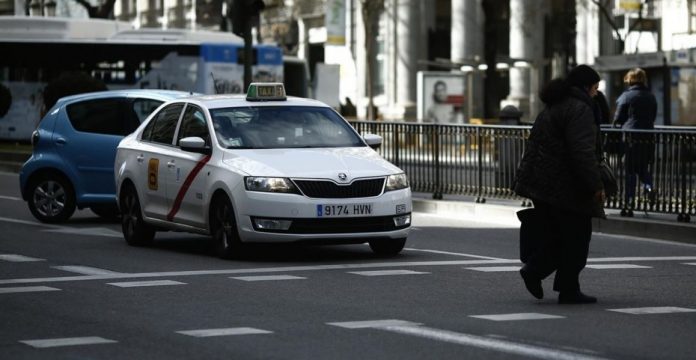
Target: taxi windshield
{"x":274,"y":127}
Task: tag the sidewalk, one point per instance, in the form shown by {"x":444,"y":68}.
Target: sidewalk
{"x":652,"y":225}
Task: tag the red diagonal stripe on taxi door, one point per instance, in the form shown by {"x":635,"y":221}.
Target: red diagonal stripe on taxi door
{"x":184,"y":188}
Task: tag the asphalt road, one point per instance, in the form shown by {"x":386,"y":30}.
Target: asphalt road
{"x":77,"y":291}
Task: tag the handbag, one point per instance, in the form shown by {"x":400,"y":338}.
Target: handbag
{"x":606,"y":173}
{"x":531,"y":232}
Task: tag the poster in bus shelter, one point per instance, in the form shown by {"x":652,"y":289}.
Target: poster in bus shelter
{"x":441,"y":97}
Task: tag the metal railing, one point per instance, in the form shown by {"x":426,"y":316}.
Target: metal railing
{"x":481,"y":160}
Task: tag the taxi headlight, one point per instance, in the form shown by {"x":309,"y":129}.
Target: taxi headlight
{"x":396,"y":182}
{"x":270,"y":184}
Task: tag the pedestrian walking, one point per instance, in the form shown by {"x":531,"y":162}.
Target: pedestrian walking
{"x":636,"y":109}
{"x":559,"y":173}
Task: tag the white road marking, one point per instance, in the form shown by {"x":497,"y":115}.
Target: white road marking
{"x":18,"y":258}
{"x":25,"y":222}
{"x":146,"y":283}
{"x":454,"y":253}
{"x":690,"y":264}
{"x":85,"y":270}
{"x":223,"y":332}
{"x":10,"y":198}
{"x":516,"y":317}
{"x":268,"y":277}
{"x":617,"y":266}
{"x":494,"y":268}
{"x":373,"y":324}
{"x":24,"y":289}
{"x":285,"y":269}
{"x":387,"y":272}
{"x":653,"y":310}
{"x":95,"y":231}
{"x":482,"y":342}
{"x":48,"y":343}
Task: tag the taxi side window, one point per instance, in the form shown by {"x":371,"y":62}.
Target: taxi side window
{"x":193,"y":124}
{"x":161,"y":128}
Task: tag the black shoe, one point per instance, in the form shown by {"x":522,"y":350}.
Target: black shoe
{"x":575,"y":297}
{"x":533,"y":285}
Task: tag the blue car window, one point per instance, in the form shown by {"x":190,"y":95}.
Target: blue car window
{"x":144,"y":107}
{"x":161,"y":128}
{"x":101,"y":116}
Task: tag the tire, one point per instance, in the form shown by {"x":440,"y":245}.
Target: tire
{"x":135,"y":230}
{"x":387,"y":247}
{"x":106,"y":211}
{"x":51,"y":199}
{"x":223,"y":229}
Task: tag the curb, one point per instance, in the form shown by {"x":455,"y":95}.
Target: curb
{"x":614,"y":224}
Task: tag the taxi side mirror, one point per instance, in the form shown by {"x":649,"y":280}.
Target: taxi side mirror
{"x":373,"y":141}
{"x":194,"y":144}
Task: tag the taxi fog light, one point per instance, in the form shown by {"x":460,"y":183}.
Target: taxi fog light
{"x":396,"y":182}
{"x":272,"y":224}
{"x":402,"y":220}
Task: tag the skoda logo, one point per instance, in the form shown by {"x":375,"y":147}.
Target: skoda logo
{"x":342,"y":176}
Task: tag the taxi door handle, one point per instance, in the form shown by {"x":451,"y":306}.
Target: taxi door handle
{"x":140,"y":158}
{"x":171,"y":164}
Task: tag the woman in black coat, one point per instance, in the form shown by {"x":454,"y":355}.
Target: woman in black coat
{"x":636,"y":109}
{"x":559,"y":173}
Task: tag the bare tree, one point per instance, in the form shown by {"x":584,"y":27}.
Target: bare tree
{"x":371,"y":11}
{"x":105,"y":10}
{"x":606,"y":13}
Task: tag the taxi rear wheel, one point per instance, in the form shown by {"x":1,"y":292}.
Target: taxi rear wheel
{"x":389,"y":247}
{"x":135,"y":230}
{"x":224,"y":229}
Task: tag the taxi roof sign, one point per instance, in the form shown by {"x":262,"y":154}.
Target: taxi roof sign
{"x":266,"y":92}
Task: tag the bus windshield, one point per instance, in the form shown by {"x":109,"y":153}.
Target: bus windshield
{"x":274,"y":127}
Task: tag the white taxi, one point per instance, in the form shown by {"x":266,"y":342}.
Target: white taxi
{"x":259,"y":168}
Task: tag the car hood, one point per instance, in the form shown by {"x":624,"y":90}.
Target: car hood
{"x":354,"y":162}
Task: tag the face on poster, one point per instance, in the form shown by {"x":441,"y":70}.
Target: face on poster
{"x":443,"y":98}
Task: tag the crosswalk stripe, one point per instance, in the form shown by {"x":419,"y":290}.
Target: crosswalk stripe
{"x":482,"y":342}
{"x":85,"y":270}
{"x":494,"y":268}
{"x":128,"y":284}
{"x":372,"y":324}
{"x":268,"y":277}
{"x":223,"y":332}
{"x":653,"y":310}
{"x":517,"y":317}
{"x":617,"y":266}
{"x":387,"y":272}
{"x":48,"y":343}
{"x":18,"y":258}
{"x":24,"y":289}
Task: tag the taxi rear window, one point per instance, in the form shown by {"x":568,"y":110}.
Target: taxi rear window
{"x":269,"y":127}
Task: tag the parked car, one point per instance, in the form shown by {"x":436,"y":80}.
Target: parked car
{"x":259,"y":168}
{"x":74,"y":146}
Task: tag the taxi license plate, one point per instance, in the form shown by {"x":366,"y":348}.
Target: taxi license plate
{"x":344,"y":210}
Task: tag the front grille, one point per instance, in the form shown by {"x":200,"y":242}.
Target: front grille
{"x":341,"y":225}
{"x":330,"y":190}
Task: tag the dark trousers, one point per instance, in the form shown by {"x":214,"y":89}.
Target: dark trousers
{"x":564,"y":247}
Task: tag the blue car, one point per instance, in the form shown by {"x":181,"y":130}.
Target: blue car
{"x":74,"y":147}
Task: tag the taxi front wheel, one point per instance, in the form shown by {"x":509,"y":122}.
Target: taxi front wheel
{"x":223,"y":228}
{"x":135,"y":230}
{"x":387,"y":247}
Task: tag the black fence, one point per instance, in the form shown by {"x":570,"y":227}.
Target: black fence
{"x":481,"y":160}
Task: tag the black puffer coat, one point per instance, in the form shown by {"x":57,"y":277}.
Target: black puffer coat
{"x":560,"y":163}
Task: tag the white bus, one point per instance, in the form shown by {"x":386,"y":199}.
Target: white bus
{"x":36,"y":50}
